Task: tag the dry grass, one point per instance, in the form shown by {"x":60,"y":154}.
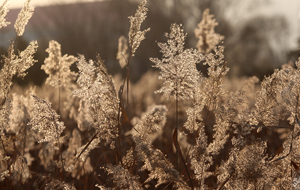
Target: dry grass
{"x":89,"y":132}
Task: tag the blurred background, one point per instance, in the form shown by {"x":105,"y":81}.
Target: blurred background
{"x":260,"y":35}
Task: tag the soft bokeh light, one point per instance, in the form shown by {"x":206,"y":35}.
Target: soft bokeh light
{"x":289,"y":9}
{"x":19,"y":3}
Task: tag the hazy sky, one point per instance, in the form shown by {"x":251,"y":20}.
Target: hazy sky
{"x":19,"y":3}
{"x":290,"y":9}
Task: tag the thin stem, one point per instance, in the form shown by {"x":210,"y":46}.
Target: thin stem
{"x":24,"y":139}
{"x":119,"y":119}
{"x":178,"y":150}
{"x":25,"y":132}
{"x":176,"y":112}
{"x":176,"y":121}
{"x":121,"y":106}
{"x":16,"y":43}
{"x":86,"y":146}
{"x":127,"y":100}
{"x":61,"y":159}
{"x":58,"y":100}
{"x":119,"y":136}
{"x":127,"y":77}
{"x":60,"y":152}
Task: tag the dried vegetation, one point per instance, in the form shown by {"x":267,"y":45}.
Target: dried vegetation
{"x":196,"y":136}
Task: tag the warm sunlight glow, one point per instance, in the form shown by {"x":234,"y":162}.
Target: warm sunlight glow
{"x":206,"y":94}
{"x":19,"y":3}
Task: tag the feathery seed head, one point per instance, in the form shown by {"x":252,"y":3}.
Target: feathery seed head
{"x":23,"y":17}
